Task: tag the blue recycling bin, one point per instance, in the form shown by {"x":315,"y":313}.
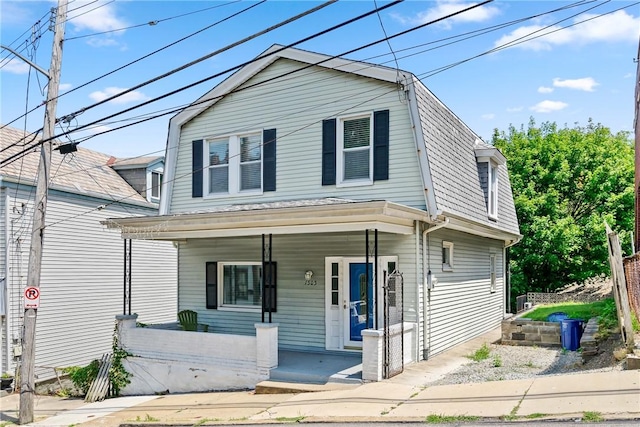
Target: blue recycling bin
{"x":570,"y":333}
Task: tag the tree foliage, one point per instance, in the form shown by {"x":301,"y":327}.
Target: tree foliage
{"x":566,"y":182}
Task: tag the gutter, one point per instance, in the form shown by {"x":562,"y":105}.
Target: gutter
{"x":4,"y":365}
{"x":426,"y":327}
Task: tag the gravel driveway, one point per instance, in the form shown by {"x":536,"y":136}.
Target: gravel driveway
{"x":519,"y":362}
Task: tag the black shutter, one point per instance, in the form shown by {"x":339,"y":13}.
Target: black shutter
{"x":381,"y":145}
{"x":211,"y":282}
{"x":329,"y":152}
{"x":270,"y":297}
{"x":269,"y":161}
{"x":196,"y":171}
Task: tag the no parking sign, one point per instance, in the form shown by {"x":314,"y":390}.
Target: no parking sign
{"x":32,"y":297}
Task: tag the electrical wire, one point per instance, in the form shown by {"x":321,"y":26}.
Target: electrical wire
{"x":152,"y":22}
{"x":224,"y":72}
{"x":143,"y":57}
{"x":493,"y":28}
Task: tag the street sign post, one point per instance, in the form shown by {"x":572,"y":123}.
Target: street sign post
{"x":32,"y":297}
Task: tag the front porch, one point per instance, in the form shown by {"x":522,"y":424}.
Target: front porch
{"x":165,"y":360}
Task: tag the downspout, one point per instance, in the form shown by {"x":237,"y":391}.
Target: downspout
{"x":418,"y":291}
{"x":426,"y":327}
{"x":507,"y":275}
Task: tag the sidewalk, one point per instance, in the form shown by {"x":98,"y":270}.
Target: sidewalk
{"x":615,"y":395}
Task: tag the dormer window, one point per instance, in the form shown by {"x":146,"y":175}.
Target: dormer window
{"x":489,"y":159}
{"x":493,"y":190}
{"x":156,"y":184}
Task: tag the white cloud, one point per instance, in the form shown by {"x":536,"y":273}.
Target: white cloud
{"x":549,"y":106}
{"x":586,"y":84}
{"x":488,"y":116}
{"x":616,"y":27}
{"x":544,"y":89}
{"x":14,"y":14}
{"x":15,"y":66}
{"x":95,"y":17}
{"x":65,"y":86}
{"x":447,"y":7}
{"x":514,"y":109}
{"x":627,"y":76}
{"x":102,"y":42}
{"x":134,"y":96}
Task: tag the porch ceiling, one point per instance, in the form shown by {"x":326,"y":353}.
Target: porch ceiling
{"x":299,"y":217}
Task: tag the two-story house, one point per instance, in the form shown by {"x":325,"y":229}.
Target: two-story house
{"x":296,"y":187}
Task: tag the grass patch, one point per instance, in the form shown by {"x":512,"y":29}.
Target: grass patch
{"x":497,"y":361}
{"x":441,"y":419}
{"x":592,"y":417}
{"x":290,"y":419}
{"x":575,"y":310}
{"x":480,"y":354}
{"x":535,"y":415}
{"x":205,"y":420}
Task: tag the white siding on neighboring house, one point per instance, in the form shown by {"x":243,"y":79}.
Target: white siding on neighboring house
{"x":462,"y":304}
{"x":82,"y":279}
{"x":319,"y":94}
{"x":301,"y":309}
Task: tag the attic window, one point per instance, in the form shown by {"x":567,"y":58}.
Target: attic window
{"x":489,"y":159}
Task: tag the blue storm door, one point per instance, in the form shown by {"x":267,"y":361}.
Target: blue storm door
{"x":360,"y":292}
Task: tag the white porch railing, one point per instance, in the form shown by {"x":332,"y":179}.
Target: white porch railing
{"x":175,"y":361}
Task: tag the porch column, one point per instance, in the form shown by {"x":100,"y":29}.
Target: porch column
{"x":124,"y":323}
{"x":372,"y":357}
{"x":267,"y":345}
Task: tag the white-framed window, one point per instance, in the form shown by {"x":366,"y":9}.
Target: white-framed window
{"x":447,"y":256}
{"x":492,"y":271}
{"x":355,"y":150}
{"x":241,"y":285}
{"x":492,"y":207}
{"x":154,"y":184}
{"x":234,"y":164}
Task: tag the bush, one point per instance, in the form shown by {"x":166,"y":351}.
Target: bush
{"x":82,"y":377}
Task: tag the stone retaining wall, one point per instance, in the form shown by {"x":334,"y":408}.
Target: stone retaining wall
{"x":588,"y":342}
{"x":521,"y":331}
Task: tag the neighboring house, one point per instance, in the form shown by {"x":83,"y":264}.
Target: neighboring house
{"x":144,"y":174}
{"x":82,"y":263}
{"x":287,"y":164}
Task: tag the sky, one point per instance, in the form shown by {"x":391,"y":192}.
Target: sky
{"x":494,"y":66}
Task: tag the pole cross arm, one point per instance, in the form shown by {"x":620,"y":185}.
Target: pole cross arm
{"x":37,"y":67}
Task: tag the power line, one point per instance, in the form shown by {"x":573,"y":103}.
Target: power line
{"x":146,"y":56}
{"x":152,"y":22}
{"x":223,"y":72}
{"x":493,"y":28}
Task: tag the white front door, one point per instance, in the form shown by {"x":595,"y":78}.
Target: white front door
{"x":350,"y":301}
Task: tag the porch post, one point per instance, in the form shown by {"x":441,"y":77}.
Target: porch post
{"x":372,"y":357}
{"x":267,"y":345}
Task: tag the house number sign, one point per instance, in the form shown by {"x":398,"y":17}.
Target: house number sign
{"x":32,"y":297}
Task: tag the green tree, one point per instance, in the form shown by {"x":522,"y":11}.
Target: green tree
{"x":566,"y":182}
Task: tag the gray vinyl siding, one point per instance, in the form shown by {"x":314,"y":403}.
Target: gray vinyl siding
{"x":295,"y":107}
{"x":82,"y":279}
{"x":462,"y":304}
{"x":454,"y":172}
{"x":301,"y":309}
{"x":3,"y":263}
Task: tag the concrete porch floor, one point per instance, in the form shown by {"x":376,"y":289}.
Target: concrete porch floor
{"x":318,"y":368}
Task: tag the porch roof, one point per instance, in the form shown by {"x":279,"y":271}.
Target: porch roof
{"x":285,"y":217}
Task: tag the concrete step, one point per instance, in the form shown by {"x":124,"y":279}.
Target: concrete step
{"x":282,"y":387}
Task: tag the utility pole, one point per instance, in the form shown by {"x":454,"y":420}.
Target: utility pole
{"x":27,"y":377}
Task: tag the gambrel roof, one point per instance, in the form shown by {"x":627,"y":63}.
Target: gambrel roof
{"x":451,"y":175}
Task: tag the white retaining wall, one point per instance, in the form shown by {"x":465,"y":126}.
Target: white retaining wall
{"x":179,"y":361}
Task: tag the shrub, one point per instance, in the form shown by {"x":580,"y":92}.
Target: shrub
{"x":82,"y":377}
{"x":480,"y":354}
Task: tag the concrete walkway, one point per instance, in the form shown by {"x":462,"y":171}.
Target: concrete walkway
{"x":407,"y":397}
